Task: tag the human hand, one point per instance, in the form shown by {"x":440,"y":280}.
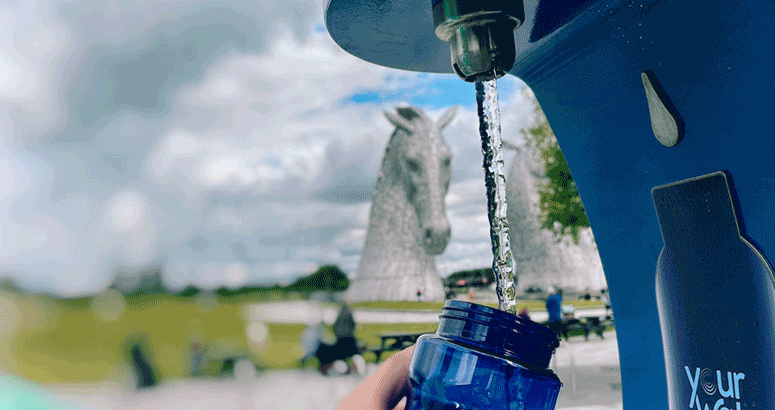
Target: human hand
{"x":384,"y":389}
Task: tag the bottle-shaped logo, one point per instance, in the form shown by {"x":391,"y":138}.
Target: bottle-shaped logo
{"x":716,"y":299}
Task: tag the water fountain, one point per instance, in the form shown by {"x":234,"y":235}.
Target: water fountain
{"x":640,"y":95}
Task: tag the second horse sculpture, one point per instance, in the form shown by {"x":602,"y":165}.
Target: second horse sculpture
{"x":408,"y":224}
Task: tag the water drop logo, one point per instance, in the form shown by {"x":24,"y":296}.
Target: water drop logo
{"x":707,"y":382}
{"x":714,"y":384}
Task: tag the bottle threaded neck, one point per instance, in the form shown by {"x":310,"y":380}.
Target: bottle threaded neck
{"x":502,"y":333}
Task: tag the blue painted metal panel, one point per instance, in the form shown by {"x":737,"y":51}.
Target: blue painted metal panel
{"x":714,"y":62}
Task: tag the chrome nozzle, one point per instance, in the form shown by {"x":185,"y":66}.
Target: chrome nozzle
{"x":480,"y":34}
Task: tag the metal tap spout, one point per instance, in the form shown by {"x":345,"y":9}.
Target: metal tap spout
{"x":480,"y":34}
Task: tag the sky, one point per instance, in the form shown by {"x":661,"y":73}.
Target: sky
{"x":228,"y":142}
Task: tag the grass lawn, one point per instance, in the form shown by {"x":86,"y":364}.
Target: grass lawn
{"x":57,"y":341}
{"x":66,"y":341}
{"x":79,"y":346}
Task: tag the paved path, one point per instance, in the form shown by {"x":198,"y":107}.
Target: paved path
{"x":589,"y":371}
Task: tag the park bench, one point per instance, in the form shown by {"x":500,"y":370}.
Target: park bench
{"x":598,"y":325}
{"x":221,"y":362}
{"x":587,"y":325}
{"x":395,"y":341}
{"x":227,"y":364}
{"x":402,"y":340}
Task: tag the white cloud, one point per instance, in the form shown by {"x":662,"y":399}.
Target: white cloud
{"x":126,"y":212}
{"x":11,"y":74}
{"x":323,"y":254}
{"x":243,"y":162}
{"x":351,"y":239}
{"x":212,"y":275}
{"x":32,"y":44}
{"x":16,"y":180}
{"x":236,"y":274}
{"x":274,"y":93}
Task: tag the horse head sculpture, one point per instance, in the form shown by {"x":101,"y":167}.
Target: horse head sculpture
{"x":423,"y":164}
{"x":408,"y":223}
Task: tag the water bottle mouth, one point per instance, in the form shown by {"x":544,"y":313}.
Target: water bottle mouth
{"x":502,"y":333}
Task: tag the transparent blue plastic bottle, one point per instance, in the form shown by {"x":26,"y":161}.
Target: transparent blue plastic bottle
{"x":483,"y":358}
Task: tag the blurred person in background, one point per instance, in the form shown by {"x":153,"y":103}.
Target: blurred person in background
{"x":587,"y":295}
{"x":311,"y":340}
{"x":140,"y":356}
{"x":554,"y":308}
{"x":146,"y":375}
{"x":197,"y":357}
{"x":345,"y":349}
{"x":606,"y":300}
{"x":344,"y":329}
{"x":346,"y":346}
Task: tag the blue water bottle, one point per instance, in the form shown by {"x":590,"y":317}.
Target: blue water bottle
{"x":483,"y":358}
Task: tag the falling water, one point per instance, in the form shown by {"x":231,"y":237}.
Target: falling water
{"x":495,"y":181}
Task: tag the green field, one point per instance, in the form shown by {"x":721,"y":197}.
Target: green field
{"x":79,"y":346}
{"x":54,"y":341}
{"x":65,"y":341}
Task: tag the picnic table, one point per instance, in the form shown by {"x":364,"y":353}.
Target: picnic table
{"x":402,"y":340}
{"x":587,"y":325}
{"x":395,"y":341}
{"x":222,"y":360}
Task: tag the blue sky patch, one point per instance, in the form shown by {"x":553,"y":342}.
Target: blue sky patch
{"x":274,"y":161}
{"x":439,"y":90}
{"x":366,"y":97}
{"x":444,"y":92}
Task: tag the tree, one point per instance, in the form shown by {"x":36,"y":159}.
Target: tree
{"x":562,"y":211}
{"x":328,"y":277}
{"x":477,"y":277}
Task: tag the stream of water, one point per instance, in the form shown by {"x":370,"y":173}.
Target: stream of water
{"x":495,"y":181}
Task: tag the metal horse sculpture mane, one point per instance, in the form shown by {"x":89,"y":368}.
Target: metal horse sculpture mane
{"x":541,"y":260}
{"x":408,"y":224}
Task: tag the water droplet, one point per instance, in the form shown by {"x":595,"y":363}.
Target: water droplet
{"x":664,"y":123}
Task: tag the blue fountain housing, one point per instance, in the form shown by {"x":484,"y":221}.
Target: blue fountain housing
{"x":640,"y":94}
